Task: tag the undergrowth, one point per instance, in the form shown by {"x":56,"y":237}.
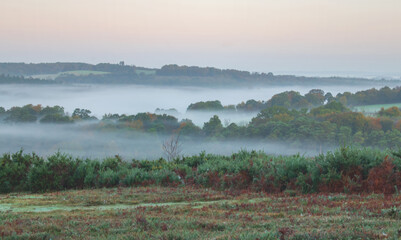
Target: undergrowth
{"x":347,"y":170}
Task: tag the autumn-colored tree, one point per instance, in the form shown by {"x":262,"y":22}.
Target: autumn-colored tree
{"x":390,"y":112}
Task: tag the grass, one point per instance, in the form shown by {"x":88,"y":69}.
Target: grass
{"x":193,"y":213}
{"x":375,"y":108}
{"x":146,"y":72}
{"x":76,"y":73}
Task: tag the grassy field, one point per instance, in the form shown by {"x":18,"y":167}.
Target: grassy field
{"x":191,"y":213}
{"x":146,"y":72}
{"x":76,"y":73}
{"x":375,"y":108}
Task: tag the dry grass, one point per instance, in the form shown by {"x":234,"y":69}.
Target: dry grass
{"x":190,"y":213}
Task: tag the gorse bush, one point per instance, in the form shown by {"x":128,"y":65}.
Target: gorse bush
{"x":135,"y":177}
{"x":14,"y":170}
{"x":344,"y":170}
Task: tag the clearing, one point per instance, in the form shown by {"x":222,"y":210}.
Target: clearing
{"x":76,"y":73}
{"x":375,"y":108}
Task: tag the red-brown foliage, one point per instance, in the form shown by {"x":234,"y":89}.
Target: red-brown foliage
{"x":383,"y":178}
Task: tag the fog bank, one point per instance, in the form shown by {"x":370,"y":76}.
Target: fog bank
{"x":132,"y":99}
{"x":80,"y":140}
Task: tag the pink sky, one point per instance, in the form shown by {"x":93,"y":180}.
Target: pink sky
{"x":255,"y":35}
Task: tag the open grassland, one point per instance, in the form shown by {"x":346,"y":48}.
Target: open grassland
{"x":346,"y":194}
{"x":375,"y":108}
{"x":193,"y":213}
{"x":75,"y":73}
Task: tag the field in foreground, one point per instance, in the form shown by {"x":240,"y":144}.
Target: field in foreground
{"x":191,"y":213}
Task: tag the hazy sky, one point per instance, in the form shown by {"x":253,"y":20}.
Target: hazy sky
{"x":255,"y":35}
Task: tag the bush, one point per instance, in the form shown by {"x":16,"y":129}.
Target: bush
{"x":108,"y":178}
{"x":344,"y":170}
{"x":111,"y":163}
{"x":54,"y":174}
{"x":164,"y":177}
{"x":14,"y":171}
{"x":135,"y":176}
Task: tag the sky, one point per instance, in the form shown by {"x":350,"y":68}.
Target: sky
{"x":287,"y":36}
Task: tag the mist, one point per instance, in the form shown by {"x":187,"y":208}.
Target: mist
{"x":83,"y":140}
{"x":80,"y":140}
{"x":132,"y":99}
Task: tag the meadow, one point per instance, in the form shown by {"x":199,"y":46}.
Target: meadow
{"x":375,"y":108}
{"x":75,"y":73}
{"x":197,"y":213}
{"x":346,"y":194}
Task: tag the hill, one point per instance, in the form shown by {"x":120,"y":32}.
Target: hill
{"x":171,"y":75}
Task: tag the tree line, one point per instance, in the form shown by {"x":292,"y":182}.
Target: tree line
{"x":320,"y":128}
{"x":8,"y":79}
{"x":314,"y":98}
{"x":174,"y":75}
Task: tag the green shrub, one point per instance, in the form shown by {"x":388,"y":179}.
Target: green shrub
{"x":345,"y":169}
{"x":14,"y":169}
{"x":164,"y":177}
{"x":111,"y":163}
{"x":54,"y":174}
{"x":108,"y":178}
{"x":135,"y":176}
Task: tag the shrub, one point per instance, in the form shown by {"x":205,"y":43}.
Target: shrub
{"x":164,"y":177}
{"x":135,"y":177}
{"x":344,"y":170}
{"x":108,"y":178}
{"x":111,"y":163}
{"x":54,"y":174}
{"x":14,"y":169}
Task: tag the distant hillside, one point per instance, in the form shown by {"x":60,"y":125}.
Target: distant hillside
{"x":7,"y":79}
{"x":106,"y":73}
{"x":24,"y":69}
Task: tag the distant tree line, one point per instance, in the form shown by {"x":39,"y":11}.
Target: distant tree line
{"x":36,"y":113}
{"x":315,"y":120}
{"x":314,"y":98}
{"x":23,"y":69}
{"x":174,"y":75}
{"x":371,"y":96}
{"x":320,"y":128}
{"x":7,"y":79}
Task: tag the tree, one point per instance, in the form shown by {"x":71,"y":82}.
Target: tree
{"x":315,"y":97}
{"x":359,"y":138}
{"x":55,"y":118}
{"x":172,"y":147}
{"x":329,"y":97}
{"x":213,"y":127}
{"x":83,"y":114}
{"x":344,"y":135}
{"x":187,"y":127}
{"x":390,"y":112}
{"x":22,"y":114}
{"x":329,"y":108}
{"x":206,"y":106}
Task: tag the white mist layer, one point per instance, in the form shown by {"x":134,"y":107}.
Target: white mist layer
{"x":132,"y":99}
{"x":80,"y":141}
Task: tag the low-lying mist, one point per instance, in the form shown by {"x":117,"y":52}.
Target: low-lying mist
{"x":132,"y":99}
{"x":81,"y":141}
{"x":226,"y":117}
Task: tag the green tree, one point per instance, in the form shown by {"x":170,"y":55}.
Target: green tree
{"x":83,"y":114}
{"x":344,"y":135}
{"x":213,"y":127}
